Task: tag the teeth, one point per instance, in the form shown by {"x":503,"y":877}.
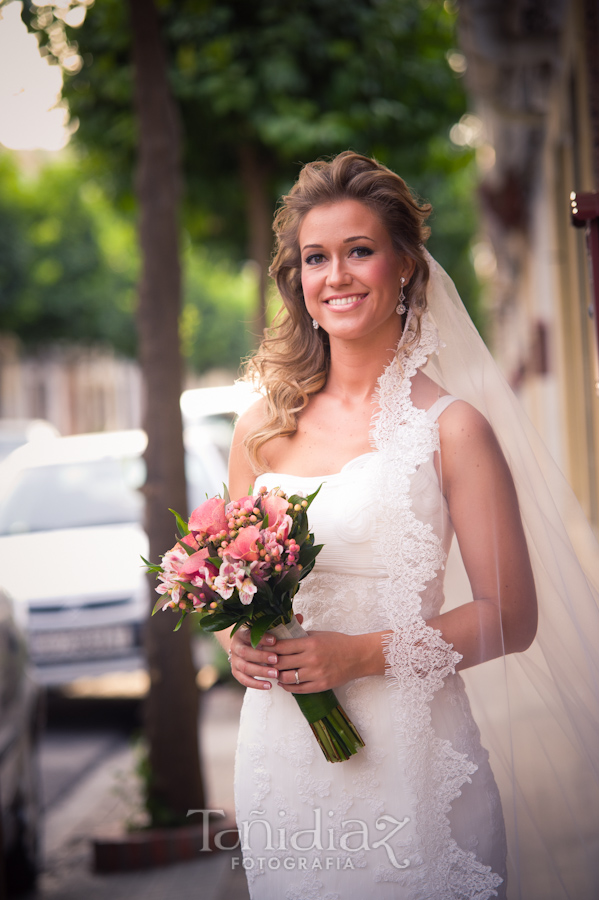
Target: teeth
{"x":342,"y":301}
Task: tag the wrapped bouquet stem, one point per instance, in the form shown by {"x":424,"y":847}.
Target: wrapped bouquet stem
{"x":337,"y":736}
{"x":240,"y":563}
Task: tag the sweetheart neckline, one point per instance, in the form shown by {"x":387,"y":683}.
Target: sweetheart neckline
{"x":316,"y":477}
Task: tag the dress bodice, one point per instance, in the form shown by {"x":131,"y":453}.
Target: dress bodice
{"x":345,"y":513}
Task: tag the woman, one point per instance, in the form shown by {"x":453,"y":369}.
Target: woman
{"x":403,"y":465}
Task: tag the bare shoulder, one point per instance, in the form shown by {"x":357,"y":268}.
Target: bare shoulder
{"x":462,"y":422}
{"x":241,"y":471}
{"x":253,"y":416}
{"x":468,"y":443}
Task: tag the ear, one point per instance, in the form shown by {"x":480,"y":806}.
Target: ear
{"x":407,"y":268}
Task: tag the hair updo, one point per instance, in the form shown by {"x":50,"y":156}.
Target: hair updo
{"x":293,"y":360}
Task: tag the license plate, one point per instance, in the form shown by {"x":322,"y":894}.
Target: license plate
{"x":82,"y":643}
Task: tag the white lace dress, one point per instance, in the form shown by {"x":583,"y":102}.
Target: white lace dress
{"x":416,"y":813}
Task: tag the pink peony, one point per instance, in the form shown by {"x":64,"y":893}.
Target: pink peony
{"x":209,"y":518}
{"x":276,"y":508}
{"x":244,"y":546}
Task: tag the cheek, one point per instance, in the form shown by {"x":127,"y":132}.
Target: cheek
{"x":309,"y":284}
{"x":385,"y":272}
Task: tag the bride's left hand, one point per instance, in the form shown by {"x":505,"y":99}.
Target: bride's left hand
{"x":324,"y":660}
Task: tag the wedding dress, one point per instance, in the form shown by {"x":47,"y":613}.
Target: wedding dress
{"x":422,"y":812}
{"x":416,"y":814}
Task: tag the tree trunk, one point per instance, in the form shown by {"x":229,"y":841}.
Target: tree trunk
{"x":175,"y":781}
{"x":254,"y":176}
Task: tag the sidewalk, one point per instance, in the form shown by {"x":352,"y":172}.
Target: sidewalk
{"x":104,"y":800}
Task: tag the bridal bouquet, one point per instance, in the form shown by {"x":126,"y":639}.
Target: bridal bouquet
{"x":239,"y":563}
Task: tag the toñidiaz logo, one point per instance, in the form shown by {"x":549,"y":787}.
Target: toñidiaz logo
{"x":257,"y":835}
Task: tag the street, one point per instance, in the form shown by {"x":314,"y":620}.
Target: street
{"x":87,"y":759}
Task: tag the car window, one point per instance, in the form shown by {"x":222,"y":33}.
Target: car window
{"x":76,"y":495}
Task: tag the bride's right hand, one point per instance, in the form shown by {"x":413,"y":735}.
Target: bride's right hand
{"x":248,"y":664}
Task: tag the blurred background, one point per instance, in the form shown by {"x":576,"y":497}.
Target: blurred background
{"x":489,"y":110}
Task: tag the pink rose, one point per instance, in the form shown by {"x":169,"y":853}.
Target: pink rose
{"x":190,"y":541}
{"x":284,"y":527}
{"x":244,"y":546}
{"x":197,"y":563}
{"x":209,"y":518}
{"x":276,"y":508}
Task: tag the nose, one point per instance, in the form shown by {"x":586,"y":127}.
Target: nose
{"x":337,"y":273}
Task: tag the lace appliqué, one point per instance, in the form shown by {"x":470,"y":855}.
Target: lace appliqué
{"x":418,"y":659}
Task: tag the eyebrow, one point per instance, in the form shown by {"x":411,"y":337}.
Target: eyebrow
{"x":349,"y":240}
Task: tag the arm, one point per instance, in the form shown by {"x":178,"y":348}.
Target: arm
{"x":501,"y":618}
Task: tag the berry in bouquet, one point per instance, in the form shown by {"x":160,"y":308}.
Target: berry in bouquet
{"x":239,"y":563}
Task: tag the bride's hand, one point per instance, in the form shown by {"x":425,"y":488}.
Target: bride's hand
{"x":326,"y":659}
{"x":249,"y":664}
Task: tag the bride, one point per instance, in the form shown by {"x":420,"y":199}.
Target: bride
{"x":366,"y":394}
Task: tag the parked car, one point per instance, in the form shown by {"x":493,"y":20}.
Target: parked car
{"x":15,"y":432}
{"x":212,"y":411}
{"x":71,"y":539}
{"x":20,"y":724}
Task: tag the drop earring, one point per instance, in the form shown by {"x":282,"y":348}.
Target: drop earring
{"x":401,"y":306}
{"x":315,"y":325}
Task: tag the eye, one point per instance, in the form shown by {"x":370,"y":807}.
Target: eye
{"x":314,"y":259}
{"x":361,"y":252}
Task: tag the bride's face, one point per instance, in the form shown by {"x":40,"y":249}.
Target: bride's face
{"x":350,"y":272}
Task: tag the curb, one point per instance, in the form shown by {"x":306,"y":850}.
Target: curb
{"x":160,"y":846}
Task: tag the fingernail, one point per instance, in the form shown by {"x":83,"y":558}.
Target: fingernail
{"x":272,"y":659}
{"x":270,"y":639}
{"x":266,"y":685}
{"x":273,"y":673}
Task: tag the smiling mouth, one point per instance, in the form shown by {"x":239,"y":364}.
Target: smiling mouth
{"x":344,"y":301}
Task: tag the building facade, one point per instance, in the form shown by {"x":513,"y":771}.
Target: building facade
{"x":533,"y":78}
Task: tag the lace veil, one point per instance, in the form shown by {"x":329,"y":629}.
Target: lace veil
{"x":538,"y":711}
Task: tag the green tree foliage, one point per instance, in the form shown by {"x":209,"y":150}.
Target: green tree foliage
{"x":262,"y":87}
{"x":63,"y":275}
{"x":69,"y":266}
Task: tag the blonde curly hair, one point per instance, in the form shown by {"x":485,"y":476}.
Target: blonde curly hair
{"x":292,"y":362}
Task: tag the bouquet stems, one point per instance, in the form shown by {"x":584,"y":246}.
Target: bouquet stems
{"x":337,"y":736}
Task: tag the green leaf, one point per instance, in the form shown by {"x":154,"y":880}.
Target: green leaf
{"x":288,"y":583}
{"x":190,"y":588}
{"x":189,"y":550}
{"x":238,"y":625}
{"x":226,"y":495}
{"x":306,"y":570}
{"x":181,"y":523}
{"x":260,"y":627}
{"x":311,"y":497}
{"x":217,"y":621}
{"x":159,"y":604}
{"x":151,"y":567}
{"x":308,"y":553}
{"x":180,"y":622}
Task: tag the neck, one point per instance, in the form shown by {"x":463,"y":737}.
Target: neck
{"x":356,"y":366}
